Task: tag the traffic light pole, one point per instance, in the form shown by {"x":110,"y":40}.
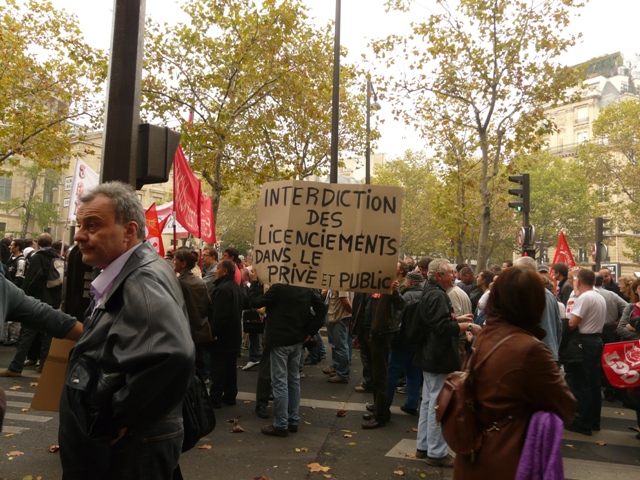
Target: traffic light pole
{"x":523,"y":205}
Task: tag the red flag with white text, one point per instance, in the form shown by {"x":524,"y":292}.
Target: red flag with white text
{"x":187,"y":192}
{"x":207,"y":222}
{"x":154,"y":229}
{"x":621,"y":363}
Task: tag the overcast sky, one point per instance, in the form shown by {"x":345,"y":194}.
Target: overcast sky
{"x":607,"y":26}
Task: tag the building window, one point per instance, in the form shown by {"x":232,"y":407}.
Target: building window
{"x":582,"y":137}
{"x":5,"y":189}
{"x":3,"y":227}
{"x":47,"y":193}
{"x":582,"y":115}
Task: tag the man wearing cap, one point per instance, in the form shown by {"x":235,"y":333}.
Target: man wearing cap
{"x":542,"y":268}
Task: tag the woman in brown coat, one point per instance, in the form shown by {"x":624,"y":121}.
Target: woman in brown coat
{"x":518,"y":379}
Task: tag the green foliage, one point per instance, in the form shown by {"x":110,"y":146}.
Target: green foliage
{"x":561,"y":199}
{"x":258,"y":80}
{"x":31,"y":206}
{"x":480,"y":77}
{"x":48,"y":78}
{"x":415,"y":173}
{"x":237,"y":217}
{"x":611,"y":161}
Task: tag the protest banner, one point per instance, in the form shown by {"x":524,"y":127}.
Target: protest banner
{"x":84,"y":179}
{"x":621,"y":363}
{"x":329,"y":236}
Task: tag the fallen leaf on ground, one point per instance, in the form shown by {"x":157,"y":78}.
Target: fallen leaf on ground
{"x":24,"y":409}
{"x":308,"y":423}
{"x":346,"y":431}
{"x":15,"y":454}
{"x":410,"y":455}
{"x":327,"y":475}
{"x":620,"y":413}
{"x":9,"y":435}
{"x":261,"y":477}
{"x":247,"y":401}
{"x":33,"y":384}
{"x":635,"y":428}
{"x":423,"y":475}
{"x":600,"y":442}
{"x":347,"y":435}
{"x":54,"y":448}
{"x":570,"y":446}
{"x":302,"y":449}
{"x":316,"y":467}
{"x":341,"y":413}
{"x":236,"y":427}
{"x":351,"y":444}
{"x":400,"y":473}
{"x":15,"y":387}
{"x":204,"y":447}
{"x":414,"y":429}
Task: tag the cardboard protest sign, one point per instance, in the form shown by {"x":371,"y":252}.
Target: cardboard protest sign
{"x":333,"y":236}
{"x":621,"y":363}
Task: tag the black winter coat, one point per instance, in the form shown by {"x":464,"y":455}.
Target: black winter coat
{"x":436,"y":332}
{"x":289,"y":320}
{"x":226,"y":314}
{"x":35,"y":278}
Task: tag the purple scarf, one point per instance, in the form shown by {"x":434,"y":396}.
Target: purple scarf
{"x":541,"y":458}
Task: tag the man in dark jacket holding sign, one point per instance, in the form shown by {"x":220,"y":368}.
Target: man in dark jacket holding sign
{"x":289,"y":322}
{"x":436,"y":330}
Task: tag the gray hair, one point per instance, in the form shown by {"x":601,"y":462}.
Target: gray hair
{"x":125,"y":202}
{"x":439,"y":265}
{"x":526,"y":262}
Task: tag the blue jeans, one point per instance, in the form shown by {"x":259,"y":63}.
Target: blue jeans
{"x":285,"y":382}
{"x":340,"y":346}
{"x":400,"y":361}
{"x":430,"y":437}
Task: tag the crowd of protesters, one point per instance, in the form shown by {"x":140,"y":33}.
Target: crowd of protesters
{"x":544,"y":329}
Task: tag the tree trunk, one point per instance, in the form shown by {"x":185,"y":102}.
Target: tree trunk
{"x":27,"y":207}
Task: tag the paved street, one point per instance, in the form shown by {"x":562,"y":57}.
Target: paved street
{"x":335,"y":442}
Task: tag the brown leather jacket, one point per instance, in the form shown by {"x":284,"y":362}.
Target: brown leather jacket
{"x":520,"y":378}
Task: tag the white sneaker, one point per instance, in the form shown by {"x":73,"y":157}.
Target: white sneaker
{"x":250,"y":365}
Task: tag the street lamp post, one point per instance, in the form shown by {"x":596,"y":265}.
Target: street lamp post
{"x":375,"y":106}
{"x":335,"y":104}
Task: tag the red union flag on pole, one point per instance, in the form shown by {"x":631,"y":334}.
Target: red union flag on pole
{"x":621,"y":363}
{"x":563,"y":252}
{"x":154,"y":229}
{"x":207,"y":223}
{"x":186,"y":194}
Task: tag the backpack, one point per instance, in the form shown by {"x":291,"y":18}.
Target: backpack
{"x":455,"y":408}
{"x":197,"y":412}
{"x":56,"y":272}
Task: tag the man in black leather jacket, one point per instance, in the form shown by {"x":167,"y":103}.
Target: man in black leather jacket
{"x":121,"y":405}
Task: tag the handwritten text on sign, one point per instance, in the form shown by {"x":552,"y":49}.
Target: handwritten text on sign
{"x":334,"y":236}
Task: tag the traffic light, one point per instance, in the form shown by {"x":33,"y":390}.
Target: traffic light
{"x":529,"y":252}
{"x":601,"y":229}
{"x":522,"y":193}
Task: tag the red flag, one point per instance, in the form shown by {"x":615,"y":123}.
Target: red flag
{"x":563,"y":252}
{"x":186,"y":194}
{"x":207,"y":222}
{"x":621,"y":363}
{"x":154,"y":230}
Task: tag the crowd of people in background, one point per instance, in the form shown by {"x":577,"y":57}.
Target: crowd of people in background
{"x":540,"y":329}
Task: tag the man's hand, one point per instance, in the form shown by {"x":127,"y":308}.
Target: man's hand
{"x":467,"y":317}
{"x":394,"y":286}
{"x":253,"y":275}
